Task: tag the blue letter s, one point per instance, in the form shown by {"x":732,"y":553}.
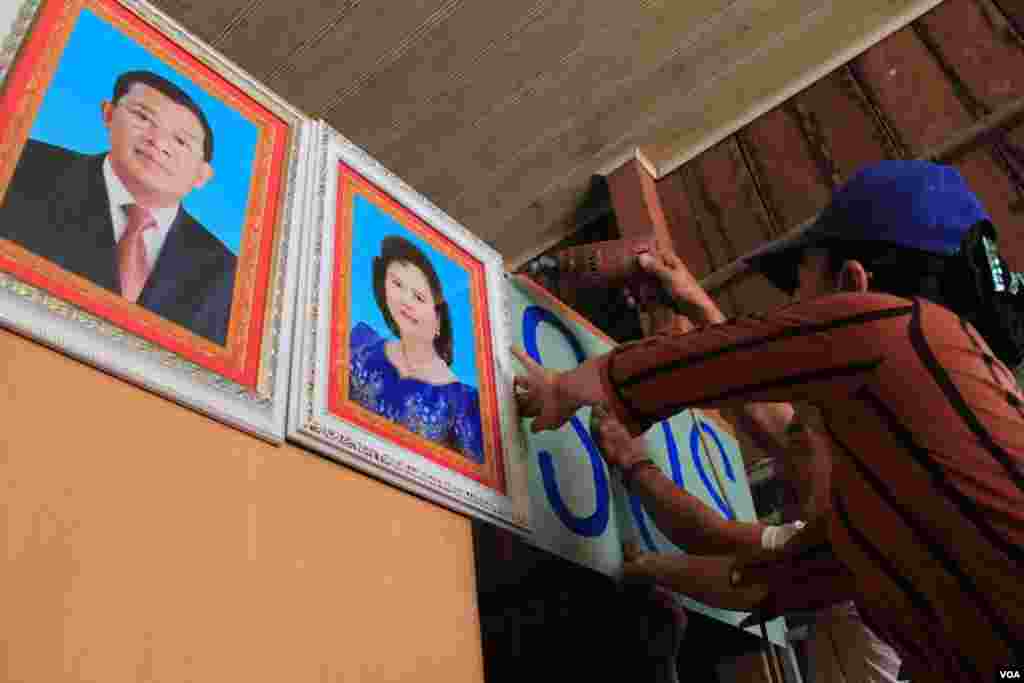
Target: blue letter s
{"x":595,"y":524}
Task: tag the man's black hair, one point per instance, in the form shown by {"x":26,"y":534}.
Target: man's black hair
{"x":975,"y":283}
{"x":126,"y":80}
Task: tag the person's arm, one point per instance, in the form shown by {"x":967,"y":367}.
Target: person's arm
{"x":814,"y":351}
{"x":764,"y":423}
{"x":687,"y":521}
{"x":801,"y":575}
{"x":703,"y":578}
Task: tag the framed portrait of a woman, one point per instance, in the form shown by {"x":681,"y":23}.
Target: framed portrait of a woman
{"x":402,"y":367}
{"x":149,"y":196}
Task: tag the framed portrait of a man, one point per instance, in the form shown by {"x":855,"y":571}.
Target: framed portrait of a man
{"x":150,"y":193}
{"x":402,"y":367}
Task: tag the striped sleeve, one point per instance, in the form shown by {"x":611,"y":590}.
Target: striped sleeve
{"x":810,"y":351}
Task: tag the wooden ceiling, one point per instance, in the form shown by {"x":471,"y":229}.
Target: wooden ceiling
{"x":503,"y":111}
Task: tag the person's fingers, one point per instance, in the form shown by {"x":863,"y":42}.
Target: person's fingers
{"x":535,"y":374}
{"x":666,"y":255}
{"x":528,"y":407}
{"x":525,"y":398}
{"x":527,"y":362}
{"x":630,"y":550}
{"x":670,"y":260}
{"x":658,"y":263}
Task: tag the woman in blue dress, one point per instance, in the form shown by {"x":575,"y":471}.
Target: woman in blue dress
{"x":408,"y":379}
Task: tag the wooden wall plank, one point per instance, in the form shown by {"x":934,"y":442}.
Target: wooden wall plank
{"x":850,"y":133}
{"x":984,"y":61}
{"x":709,"y":228}
{"x":732,"y":210}
{"x":910,"y":88}
{"x":982,"y":55}
{"x":732,"y":198}
{"x":986,"y":176}
{"x":922,"y":102}
{"x":687,"y":240}
{"x":794,"y":184}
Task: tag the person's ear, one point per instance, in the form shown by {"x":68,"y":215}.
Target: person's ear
{"x":107,"y":112}
{"x":853,"y":277}
{"x":203,"y":176}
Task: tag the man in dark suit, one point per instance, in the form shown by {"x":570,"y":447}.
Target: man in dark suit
{"x":117,"y":218}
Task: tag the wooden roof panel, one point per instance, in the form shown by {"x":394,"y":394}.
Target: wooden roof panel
{"x":500,"y":112}
{"x":619,"y":119}
{"x":347,"y":50}
{"x":591,"y":55}
{"x":272,"y":37}
{"x":463,"y":56}
{"x":208,"y":20}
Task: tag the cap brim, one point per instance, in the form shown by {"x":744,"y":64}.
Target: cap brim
{"x":779,"y":260}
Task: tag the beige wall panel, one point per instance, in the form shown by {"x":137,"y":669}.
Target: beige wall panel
{"x":144,"y":542}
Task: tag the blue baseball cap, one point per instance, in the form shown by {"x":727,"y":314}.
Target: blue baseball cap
{"x":911,"y":204}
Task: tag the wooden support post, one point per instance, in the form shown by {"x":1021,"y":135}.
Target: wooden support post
{"x":639,"y":213}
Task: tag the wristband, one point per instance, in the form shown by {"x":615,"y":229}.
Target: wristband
{"x":627,"y":473}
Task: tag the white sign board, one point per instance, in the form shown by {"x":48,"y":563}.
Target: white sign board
{"x":577,"y":510}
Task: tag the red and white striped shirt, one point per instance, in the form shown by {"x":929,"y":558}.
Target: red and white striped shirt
{"x":926,"y":527}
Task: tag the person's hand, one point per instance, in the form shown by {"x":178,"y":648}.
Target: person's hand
{"x":636,"y":571}
{"x":540,"y":395}
{"x":680,"y":284}
{"x":631,"y":567}
{"x":615,"y":444}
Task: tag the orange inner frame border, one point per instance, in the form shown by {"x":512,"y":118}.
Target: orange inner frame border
{"x":27,"y":82}
{"x":491,"y":473}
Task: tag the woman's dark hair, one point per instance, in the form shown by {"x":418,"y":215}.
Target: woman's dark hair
{"x":975,"y":283}
{"x":398,"y":249}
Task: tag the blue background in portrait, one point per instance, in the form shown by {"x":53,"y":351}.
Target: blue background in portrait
{"x":370,"y":225}
{"x":70,"y":116}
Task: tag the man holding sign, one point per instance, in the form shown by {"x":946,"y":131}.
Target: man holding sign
{"x":926,"y":527}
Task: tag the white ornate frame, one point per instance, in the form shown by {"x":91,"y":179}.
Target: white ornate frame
{"x":99,"y":342}
{"x":310,"y":421}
